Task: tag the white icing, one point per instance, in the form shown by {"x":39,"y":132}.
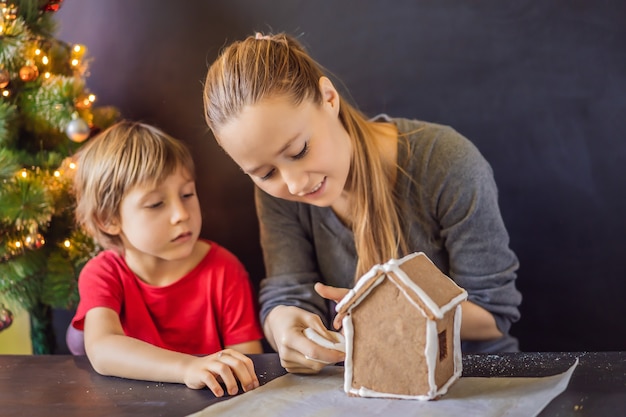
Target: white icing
{"x":315,"y":337}
{"x":365,"y":294}
{"x":394,"y":265}
{"x":431,"y":350}
{"x":360,"y":283}
{"x":317,"y":360}
{"x":348,"y":330}
{"x":364,"y":392}
{"x":458,"y":357}
{"x":429,"y":302}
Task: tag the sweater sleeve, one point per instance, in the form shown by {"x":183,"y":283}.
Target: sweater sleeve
{"x":289,"y":257}
{"x":466,"y":204}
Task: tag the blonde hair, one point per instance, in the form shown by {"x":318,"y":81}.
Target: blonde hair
{"x":123,"y":156}
{"x":261,"y":67}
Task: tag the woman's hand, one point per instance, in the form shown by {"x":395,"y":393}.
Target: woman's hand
{"x":284,"y":328}
{"x":335,"y":294}
{"x":227,"y":366}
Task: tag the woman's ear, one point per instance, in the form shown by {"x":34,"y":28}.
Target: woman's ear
{"x":330,"y":96}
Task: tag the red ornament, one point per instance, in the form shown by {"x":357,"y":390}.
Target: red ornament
{"x":52,"y":6}
{"x":6,"y":317}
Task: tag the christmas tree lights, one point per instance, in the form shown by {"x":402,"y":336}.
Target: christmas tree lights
{"x":46,"y":111}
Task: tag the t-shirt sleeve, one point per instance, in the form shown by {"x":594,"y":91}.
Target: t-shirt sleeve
{"x":99,"y":285}
{"x":238,"y":319}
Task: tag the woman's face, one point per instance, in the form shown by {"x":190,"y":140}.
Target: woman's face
{"x":298,"y":153}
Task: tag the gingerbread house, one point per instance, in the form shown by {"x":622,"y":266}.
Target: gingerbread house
{"x":402,"y":326}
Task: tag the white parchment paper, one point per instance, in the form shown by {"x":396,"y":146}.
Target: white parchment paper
{"x":322,"y":395}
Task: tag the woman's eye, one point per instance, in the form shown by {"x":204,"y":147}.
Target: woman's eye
{"x":268,"y":175}
{"x":188,"y":195}
{"x":303,"y":152}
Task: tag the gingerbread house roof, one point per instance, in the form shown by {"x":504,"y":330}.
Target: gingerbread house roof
{"x":417,"y":277}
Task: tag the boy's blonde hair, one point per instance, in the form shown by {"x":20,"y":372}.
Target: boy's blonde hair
{"x":262,"y":67}
{"x":125,"y":155}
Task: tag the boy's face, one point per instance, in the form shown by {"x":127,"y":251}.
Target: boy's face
{"x":162,"y":223}
{"x":299,"y":153}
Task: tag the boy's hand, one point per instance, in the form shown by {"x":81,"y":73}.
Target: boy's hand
{"x":227,"y":366}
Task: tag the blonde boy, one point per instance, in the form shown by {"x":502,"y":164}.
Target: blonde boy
{"x":159,"y":297}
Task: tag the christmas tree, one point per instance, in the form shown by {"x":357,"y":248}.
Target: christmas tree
{"x":46,"y":111}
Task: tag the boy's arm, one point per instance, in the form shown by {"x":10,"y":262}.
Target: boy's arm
{"x":247,"y":348}
{"x":113,"y":353}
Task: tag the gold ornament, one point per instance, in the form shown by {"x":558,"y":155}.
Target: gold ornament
{"x":29,"y":73}
{"x":5,"y":78}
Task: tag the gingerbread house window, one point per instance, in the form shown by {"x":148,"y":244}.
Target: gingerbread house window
{"x":443,"y":346}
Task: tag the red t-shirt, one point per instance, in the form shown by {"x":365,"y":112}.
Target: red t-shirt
{"x":209,"y":308}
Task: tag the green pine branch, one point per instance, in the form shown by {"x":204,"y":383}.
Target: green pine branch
{"x":9,"y":125}
{"x":41,"y":249}
{"x":21,"y":279}
{"x":41,"y":24}
{"x":14,"y":45}
{"x":46,"y":108}
{"x":25,"y":202}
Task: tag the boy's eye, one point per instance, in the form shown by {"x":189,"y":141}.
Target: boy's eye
{"x":154,"y":205}
{"x":188,"y":195}
{"x":303,"y":152}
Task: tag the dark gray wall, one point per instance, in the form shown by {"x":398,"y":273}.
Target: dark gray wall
{"x":539,"y":86}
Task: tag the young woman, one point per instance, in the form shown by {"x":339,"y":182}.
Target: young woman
{"x":159,"y":304}
{"x":338,"y":192}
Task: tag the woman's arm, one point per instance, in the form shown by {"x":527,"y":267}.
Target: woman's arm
{"x":477,"y":323}
{"x":475,"y":237}
{"x":289,"y":257}
{"x":288,"y":301}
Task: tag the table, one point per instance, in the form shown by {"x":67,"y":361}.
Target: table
{"x":63,"y":385}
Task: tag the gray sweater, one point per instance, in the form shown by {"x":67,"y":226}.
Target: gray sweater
{"x":451,"y":214}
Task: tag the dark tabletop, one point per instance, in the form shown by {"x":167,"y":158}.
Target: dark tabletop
{"x":60,"y":385}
